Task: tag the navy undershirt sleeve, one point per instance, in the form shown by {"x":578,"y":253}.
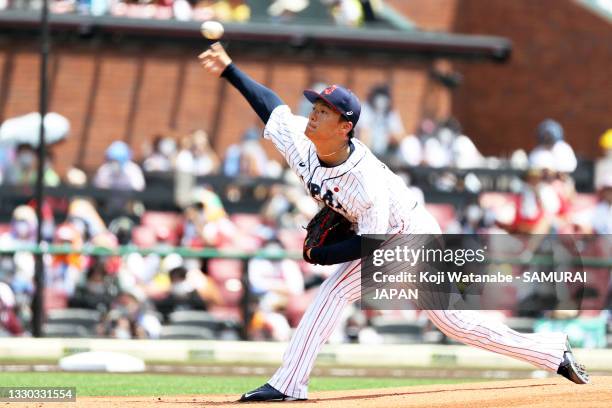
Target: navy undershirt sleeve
{"x":341,"y":252}
{"x":262,"y":100}
{"x":345,"y":251}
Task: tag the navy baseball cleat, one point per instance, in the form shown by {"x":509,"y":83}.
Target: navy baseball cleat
{"x":570,"y":369}
{"x":266,"y":393}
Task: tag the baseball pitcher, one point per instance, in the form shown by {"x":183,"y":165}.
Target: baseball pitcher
{"x":354,"y":187}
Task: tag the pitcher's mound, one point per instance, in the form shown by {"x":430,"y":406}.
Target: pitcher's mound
{"x":545,"y":393}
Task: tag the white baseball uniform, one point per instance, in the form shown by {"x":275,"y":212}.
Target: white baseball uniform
{"x":377,"y":201}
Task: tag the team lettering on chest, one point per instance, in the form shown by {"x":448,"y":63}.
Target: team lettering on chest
{"x":328,"y":197}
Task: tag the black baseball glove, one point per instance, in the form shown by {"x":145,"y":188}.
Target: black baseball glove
{"x":327,"y":227}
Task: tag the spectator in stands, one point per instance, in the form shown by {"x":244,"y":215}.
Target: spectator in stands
{"x":9,"y":322}
{"x":63,"y":6}
{"x":24,"y":170}
{"x":65,"y":270}
{"x":205,"y":160}
{"x":162,"y":157}
{"x":285,"y":11}
{"x":247,"y":158}
{"x":529,"y":216}
{"x":436,"y":145}
{"x":380,"y":126}
{"x":603,"y":166}
{"x":410,"y":151}
{"x":18,"y":269}
{"x":182,"y":295}
{"x":131,"y":318}
{"x":136,"y":275}
{"x":465,"y":155}
{"x":540,"y":206}
{"x":117,"y":325}
{"x":82,"y":214}
{"x":206,"y":222}
{"x":345,"y":12}
{"x":471,"y":220}
{"x":232,"y":10}
{"x":6,"y":159}
{"x":21,"y":279}
{"x":274,"y":282}
{"x":287,"y":206}
{"x":119,"y":172}
{"x":97,"y":290}
{"x":184,"y":158}
{"x":602,"y":216}
{"x":550,"y":139}
{"x":447,"y":146}
{"x":76,"y":177}
{"x":23,"y":227}
{"x":122,"y":227}
{"x":184,"y":179}
{"x":182,"y":10}
{"x":203,"y":10}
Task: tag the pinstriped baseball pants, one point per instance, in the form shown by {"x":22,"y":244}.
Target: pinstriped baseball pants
{"x":544,"y":350}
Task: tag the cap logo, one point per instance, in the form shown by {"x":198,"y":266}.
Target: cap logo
{"x":349,"y":113}
{"x":329,"y":89}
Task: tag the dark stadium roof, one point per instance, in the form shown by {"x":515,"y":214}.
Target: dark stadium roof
{"x":411,"y":42}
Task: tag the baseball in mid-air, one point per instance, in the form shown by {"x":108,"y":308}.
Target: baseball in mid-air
{"x":212,"y":30}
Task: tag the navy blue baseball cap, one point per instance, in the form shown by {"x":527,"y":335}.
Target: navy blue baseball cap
{"x":340,"y":99}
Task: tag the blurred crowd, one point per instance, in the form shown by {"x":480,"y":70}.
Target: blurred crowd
{"x":141,"y":292}
{"x":351,"y":13}
{"x":138,"y":296}
{"x":222,"y":10}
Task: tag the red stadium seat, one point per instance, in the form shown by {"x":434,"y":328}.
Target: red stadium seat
{"x":584,"y":202}
{"x":223,"y":269}
{"x":443,"y":213}
{"x":4,"y":228}
{"x":503,"y":205}
{"x":227,"y":273}
{"x":55,"y":299}
{"x":246,"y":222}
{"x":144,"y":236}
{"x":226,"y":313}
{"x":297,"y":306}
{"x":166,"y":225}
{"x":292,"y":239}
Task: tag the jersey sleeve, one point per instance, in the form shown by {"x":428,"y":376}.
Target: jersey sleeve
{"x":285,"y":129}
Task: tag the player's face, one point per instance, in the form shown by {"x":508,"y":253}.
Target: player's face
{"x":324,"y":122}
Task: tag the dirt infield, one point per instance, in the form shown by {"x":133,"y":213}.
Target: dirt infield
{"x":545,"y":393}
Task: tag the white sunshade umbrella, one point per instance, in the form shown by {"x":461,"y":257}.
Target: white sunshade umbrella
{"x":26,"y":128}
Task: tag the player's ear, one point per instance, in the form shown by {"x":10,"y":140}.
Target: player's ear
{"x":346,"y":127}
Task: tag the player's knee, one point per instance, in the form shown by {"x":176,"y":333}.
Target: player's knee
{"x":446,"y":322}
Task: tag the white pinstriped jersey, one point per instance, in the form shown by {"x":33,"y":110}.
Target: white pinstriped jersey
{"x":362,"y":189}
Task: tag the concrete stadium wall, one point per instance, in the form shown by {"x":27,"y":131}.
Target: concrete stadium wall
{"x":236,"y":353}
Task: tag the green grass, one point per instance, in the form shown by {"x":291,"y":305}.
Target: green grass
{"x":168,"y":384}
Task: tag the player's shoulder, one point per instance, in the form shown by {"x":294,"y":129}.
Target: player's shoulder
{"x":283,"y":117}
{"x":284,"y":113}
{"x":368,"y":165}
{"x":367,"y":172}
